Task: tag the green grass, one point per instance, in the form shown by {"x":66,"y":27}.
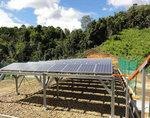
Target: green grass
{"x":130,"y":43}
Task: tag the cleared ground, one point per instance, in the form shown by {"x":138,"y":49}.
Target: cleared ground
{"x":83,"y":99}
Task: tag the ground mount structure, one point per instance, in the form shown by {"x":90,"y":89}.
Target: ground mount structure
{"x":46,"y":71}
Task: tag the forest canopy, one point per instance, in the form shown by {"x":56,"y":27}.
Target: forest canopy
{"x":35,"y":43}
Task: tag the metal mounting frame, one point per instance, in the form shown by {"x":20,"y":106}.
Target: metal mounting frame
{"x":45,"y":78}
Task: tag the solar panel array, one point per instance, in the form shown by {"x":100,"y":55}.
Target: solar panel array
{"x":94,"y":66}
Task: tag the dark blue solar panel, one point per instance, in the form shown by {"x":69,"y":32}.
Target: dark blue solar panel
{"x":44,"y":67}
{"x":103,"y":68}
{"x":56,"y":68}
{"x":86,"y":68}
{"x":71,"y":68}
{"x":95,"y":66}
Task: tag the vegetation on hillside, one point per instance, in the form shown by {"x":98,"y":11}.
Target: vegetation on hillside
{"x":46,"y":43}
{"x":129,"y":43}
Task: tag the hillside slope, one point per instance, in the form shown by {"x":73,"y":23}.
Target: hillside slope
{"x":130,"y":43}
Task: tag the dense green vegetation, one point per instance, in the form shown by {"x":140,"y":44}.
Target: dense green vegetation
{"x":129,"y":43}
{"x":46,"y":43}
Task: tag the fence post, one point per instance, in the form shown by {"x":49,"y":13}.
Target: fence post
{"x":127,"y":99}
{"x":149,"y":106}
{"x":143,"y":93}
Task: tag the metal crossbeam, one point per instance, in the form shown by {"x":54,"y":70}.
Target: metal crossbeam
{"x":16,"y":77}
{"x":105,"y":86}
{"x":38,"y":79}
{"x":21,"y":81}
{"x":61,"y":75}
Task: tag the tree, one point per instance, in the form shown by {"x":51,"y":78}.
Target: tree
{"x":85,"y":21}
{"x":67,"y":32}
{"x":35,"y":43}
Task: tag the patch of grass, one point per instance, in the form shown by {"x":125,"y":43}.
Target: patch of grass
{"x":130,"y":43}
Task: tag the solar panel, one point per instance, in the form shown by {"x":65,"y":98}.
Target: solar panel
{"x":86,"y":68}
{"x":103,"y":68}
{"x":15,"y":66}
{"x":95,"y":66}
{"x":44,"y":67}
{"x":56,"y":68}
{"x":71,"y":68}
{"x":31,"y":66}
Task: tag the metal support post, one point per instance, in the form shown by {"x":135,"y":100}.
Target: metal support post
{"x":127,"y":99}
{"x":16,"y":82}
{"x":72,"y":84}
{"x":57,"y":83}
{"x":113,"y":98}
{"x":143,"y":94}
{"x":44,"y":91}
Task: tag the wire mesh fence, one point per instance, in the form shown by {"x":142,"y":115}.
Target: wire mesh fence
{"x":128,"y":66}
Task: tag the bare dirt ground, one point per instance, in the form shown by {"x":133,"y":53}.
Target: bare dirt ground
{"x":79,"y":101}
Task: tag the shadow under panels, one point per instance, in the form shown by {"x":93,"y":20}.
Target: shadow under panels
{"x":77,"y":104}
